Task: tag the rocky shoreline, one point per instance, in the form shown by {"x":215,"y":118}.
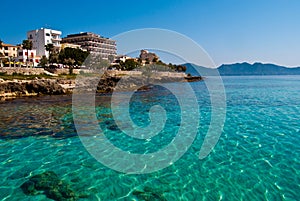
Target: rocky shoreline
{"x":57,"y":86}
{"x":20,"y":88}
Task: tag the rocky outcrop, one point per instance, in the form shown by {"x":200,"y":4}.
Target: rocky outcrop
{"x":149,"y":194}
{"x":193,"y":78}
{"x":49,"y":87}
{"x":148,"y":56}
{"x":17,"y":88}
{"x":107,"y":83}
{"x":48,"y":183}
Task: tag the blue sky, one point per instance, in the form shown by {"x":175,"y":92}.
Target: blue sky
{"x":230,"y":31}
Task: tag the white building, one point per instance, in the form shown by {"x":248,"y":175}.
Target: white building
{"x":42,"y":37}
{"x":122,"y":58}
{"x":33,"y":59}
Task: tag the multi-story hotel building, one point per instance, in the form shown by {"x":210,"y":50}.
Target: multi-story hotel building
{"x":93,"y":43}
{"x":42,"y":37}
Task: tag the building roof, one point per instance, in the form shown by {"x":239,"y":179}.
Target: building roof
{"x":86,"y":34}
{"x":9,"y":45}
{"x":83,"y":34}
{"x":44,"y":29}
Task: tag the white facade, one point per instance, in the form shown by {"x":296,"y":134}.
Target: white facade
{"x":33,"y":59}
{"x":122,"y":58}
{"x":42,"y":37}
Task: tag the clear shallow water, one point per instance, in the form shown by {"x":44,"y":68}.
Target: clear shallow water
{"x":256,"y":158}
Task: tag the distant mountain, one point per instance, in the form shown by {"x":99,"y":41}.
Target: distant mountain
{"x":191,"y":69}
{"x":248,"y":69}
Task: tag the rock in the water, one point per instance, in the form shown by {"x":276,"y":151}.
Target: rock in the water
{"x":29,"y":188}
{"x":49,"y":184}
{"x":148,"y":194}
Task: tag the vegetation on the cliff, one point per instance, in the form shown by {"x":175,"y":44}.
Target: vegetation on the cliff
{"x":131,"y":64}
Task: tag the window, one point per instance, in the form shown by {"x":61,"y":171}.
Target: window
{"x":20,"y":53}
{"x":25,"y":53}
{"x":47,"y":34}
{"x":6,"y":54}
{"x":32,"y":55}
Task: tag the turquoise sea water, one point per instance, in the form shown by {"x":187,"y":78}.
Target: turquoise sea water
{"x":256,"y":158}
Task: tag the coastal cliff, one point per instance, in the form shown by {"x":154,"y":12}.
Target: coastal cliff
{"x":107,"y":83}
{"x":18,"y":88}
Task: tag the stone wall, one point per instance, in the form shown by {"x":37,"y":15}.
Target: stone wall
{"x":24,"y":71}
{"x":60,"y":71}
{"x":38,"y":71}
{"x":154,"y":74}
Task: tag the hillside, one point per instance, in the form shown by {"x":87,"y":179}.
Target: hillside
{"x":249,"y":69}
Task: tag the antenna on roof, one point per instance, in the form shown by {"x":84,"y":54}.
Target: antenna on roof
{"x":47,"y":26}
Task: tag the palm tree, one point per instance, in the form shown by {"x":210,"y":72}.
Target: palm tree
{"x":49,"y":47}
{"x":27,"y":45}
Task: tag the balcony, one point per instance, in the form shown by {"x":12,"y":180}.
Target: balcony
{"x":56,"y":39}
{"x":55,"y":33}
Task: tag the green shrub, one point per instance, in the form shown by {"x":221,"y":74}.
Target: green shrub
{"x":16,"y":74}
